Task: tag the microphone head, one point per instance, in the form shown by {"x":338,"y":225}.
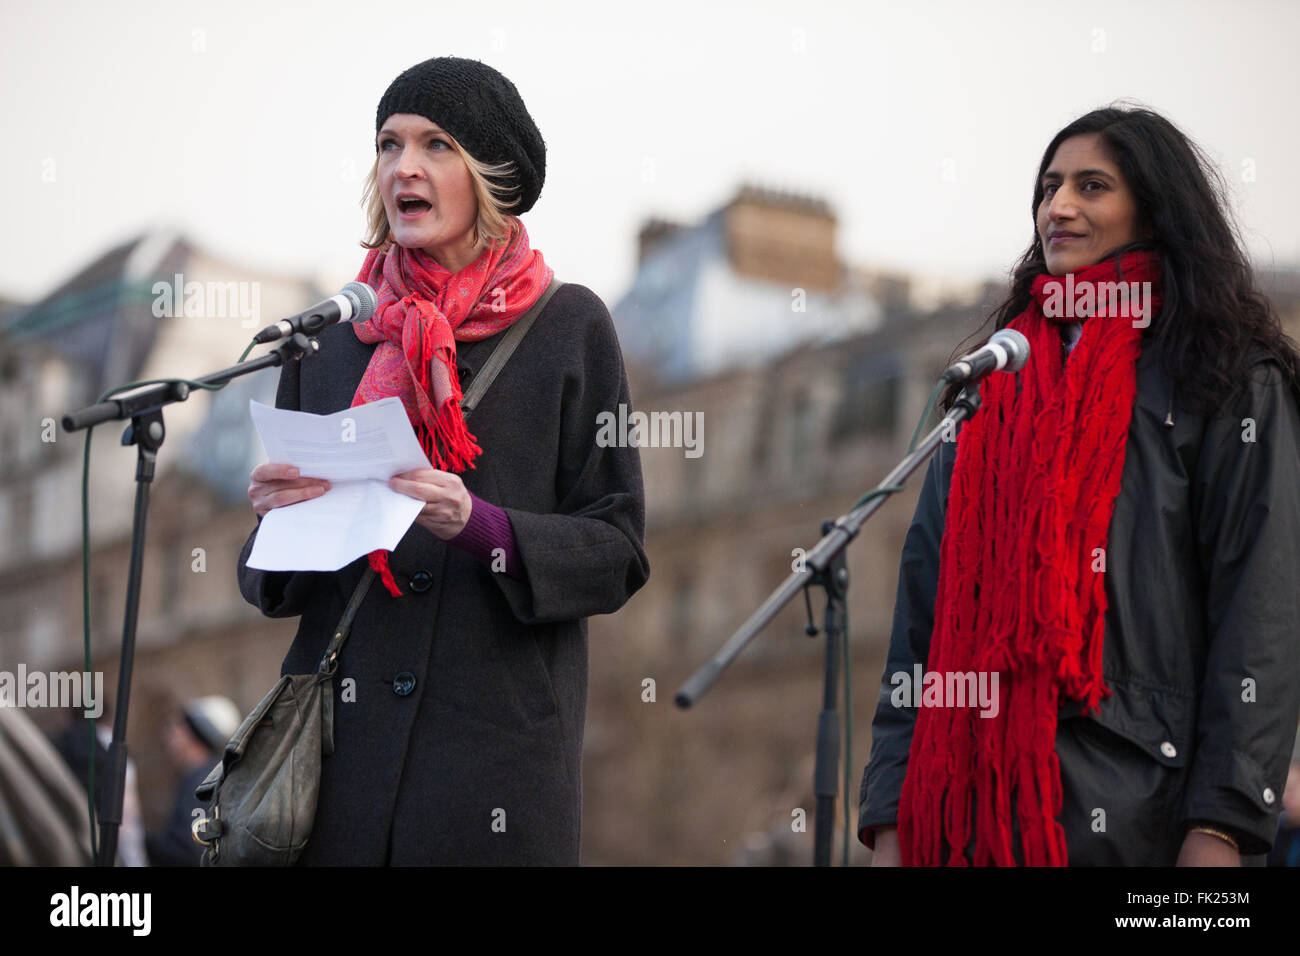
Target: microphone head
{"x":1017,"y":347}
{"x":363,"y":298}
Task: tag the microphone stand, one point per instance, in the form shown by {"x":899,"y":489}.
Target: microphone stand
{"x":146,"y":432}
{"x":825,"y":566}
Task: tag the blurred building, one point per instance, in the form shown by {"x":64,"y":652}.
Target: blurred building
{"x":801,"y":412}
{"x":153,"y":306}
{"x":1282,"y":286}
{"x":803,"y":409}
{"x":770,"y":257}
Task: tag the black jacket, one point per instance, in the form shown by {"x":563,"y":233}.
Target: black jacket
{"x":1202,"y":643}
{"x":482,"y":761}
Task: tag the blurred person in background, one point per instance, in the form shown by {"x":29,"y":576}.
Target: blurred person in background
{"x":1116,"y":535}
{"x":74,"y":745}
{"x":1286,"y":848}
{"x":195,"y":736}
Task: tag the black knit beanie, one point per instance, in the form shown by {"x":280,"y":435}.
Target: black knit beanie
{"x":482,"y":110}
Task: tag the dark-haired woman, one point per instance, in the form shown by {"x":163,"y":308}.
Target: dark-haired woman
{"x":1116,"y":535}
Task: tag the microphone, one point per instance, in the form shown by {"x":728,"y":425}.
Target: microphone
{"x":356,"y":303}
{"x":1007,"y":350}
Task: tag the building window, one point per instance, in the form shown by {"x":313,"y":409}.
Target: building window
{"x":681,"y":624}
{"x":802,"y":436}
{"x":870,"y":398}
{"x":21,"y":504}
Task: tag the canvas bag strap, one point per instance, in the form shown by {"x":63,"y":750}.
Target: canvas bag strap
{"x":330,"y":659}
{"x":504,"y":349}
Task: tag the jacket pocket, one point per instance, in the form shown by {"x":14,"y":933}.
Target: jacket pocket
{"x":527,"y":670}
{"x":1119,"y":805}
{"x":1155,"y":720}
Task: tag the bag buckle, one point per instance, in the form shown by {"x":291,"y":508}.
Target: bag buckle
{"x":207,"y":826}
{"x":330,"y":663}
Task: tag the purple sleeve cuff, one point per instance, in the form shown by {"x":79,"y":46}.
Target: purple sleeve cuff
{"x":487,"y":531}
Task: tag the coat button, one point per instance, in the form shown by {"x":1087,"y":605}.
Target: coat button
{"x":1168,"y":749}
{"x":1269,"y":796}
{"x":464,"y":375}
{"x":403,"y":683}
{"x":421,"y":581}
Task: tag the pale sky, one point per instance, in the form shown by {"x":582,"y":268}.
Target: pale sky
{"x":249,"y":125}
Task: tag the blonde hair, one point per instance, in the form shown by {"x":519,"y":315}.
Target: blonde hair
{"x":492,"y":225}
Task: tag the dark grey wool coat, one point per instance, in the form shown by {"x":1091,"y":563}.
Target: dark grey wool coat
{"x":482,"y":762}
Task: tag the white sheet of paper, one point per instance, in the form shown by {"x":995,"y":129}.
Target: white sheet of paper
{"x":357,"y":450}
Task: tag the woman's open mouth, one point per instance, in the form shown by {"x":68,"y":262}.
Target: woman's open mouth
{"x":409,"y":208}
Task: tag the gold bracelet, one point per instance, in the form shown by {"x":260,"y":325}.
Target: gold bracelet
{"x":1218,"y":833}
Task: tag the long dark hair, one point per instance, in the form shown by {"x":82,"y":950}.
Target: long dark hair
{"x":1213,"y":315}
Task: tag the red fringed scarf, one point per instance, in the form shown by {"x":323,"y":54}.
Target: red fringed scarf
{"x":423,"y":311}
{"x":1033,"y":488}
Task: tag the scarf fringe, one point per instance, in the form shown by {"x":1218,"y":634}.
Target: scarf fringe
{"x":1032,"y":494}
{"x":379,"y":562}
{"x":447,"y":439}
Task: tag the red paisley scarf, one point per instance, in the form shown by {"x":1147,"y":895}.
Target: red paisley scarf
{"x":423,"y":311}
{"x":1020,"y":593}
